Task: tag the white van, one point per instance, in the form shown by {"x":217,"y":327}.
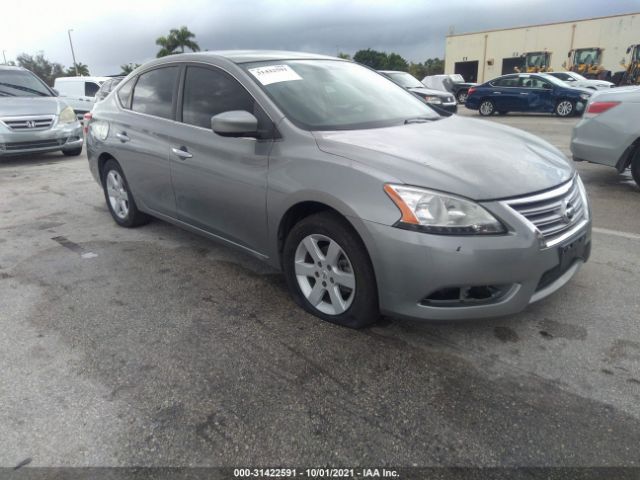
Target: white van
{"x":79,"y":92}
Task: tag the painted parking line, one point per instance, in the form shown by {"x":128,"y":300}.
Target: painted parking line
{"x":616,"y":233}
{"x":74,"y":247}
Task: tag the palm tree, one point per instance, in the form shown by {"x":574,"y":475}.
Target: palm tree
{"x":182,"y":38}
{"x":167,"y":46}
{"x":127,"y":68}
{"x":79,"y":69}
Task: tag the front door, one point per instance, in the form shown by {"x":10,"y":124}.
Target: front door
{"x":220,"y":183}
{"x":539,"y":94}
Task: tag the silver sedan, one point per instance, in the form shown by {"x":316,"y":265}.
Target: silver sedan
{"x":367,"y":199}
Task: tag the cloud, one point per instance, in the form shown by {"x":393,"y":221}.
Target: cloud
{"x":108,"y":34}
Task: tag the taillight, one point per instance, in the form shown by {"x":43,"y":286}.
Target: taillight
{"x":471,"y":90}
{"x":596,"y":108}
{"x":87,"y":118}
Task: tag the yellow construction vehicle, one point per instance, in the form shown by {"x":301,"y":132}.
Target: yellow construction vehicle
{"x":631,"y":74}
{"x":535,"y":62}
{"x":587,"y":62}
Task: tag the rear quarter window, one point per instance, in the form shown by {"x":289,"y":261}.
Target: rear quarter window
{"x":124,"y":93}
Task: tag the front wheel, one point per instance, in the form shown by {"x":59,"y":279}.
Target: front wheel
{"x":565,"y":108}
{"x":329,"y":272}
{"x":486,"y":108}
{"x":635,"y":167}
{"x":72,"y":153}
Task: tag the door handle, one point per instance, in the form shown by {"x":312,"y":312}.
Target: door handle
{"x":181,"y":153}
{"x":524,"y":93}
{"x":497,"y":93}
{"x":122,"y":136}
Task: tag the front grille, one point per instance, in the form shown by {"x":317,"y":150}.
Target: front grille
{"x":32,"y":145}
{"x":28,"y":124}
{"x":555,"y":213}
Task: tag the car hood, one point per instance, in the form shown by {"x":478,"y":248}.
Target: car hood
{"x":593,"y":83}
{"x":431,"y":91}
{"x":477,"y":159}
{"x":19,"y":106}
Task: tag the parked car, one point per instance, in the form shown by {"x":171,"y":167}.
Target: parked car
{"x":609,"y":130}
{"x":437,"y":98}
{"x":574,"y":79}
{"x":79,"y":92}
{"x":453,"y":83}
{"x":106,"y":88}
{"x":366,"y":198}
{"x":526,"y":92}
{"x":32,"y":118}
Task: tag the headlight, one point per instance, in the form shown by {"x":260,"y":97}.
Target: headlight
{"x":585,"y":96}
{"x":439,"y":213}
{"x":67,"y":116}
{"x":431,"y":99}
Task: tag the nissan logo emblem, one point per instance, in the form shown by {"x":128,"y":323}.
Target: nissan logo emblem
{"x":567,"y":211}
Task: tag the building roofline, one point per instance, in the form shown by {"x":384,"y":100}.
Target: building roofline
{"x":543,"y":24}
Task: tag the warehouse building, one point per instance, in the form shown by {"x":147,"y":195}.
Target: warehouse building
{"x":599,"y":43}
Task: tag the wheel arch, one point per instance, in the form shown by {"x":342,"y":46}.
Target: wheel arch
{"x":630,"y":154}
{"x":103,"y":158}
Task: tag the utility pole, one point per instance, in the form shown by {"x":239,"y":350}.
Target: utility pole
{"x":4,"y":56}
{"x":75,"y":65}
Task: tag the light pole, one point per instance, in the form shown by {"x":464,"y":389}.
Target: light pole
{"x":75,"y":65}
{"x":4,"y":56}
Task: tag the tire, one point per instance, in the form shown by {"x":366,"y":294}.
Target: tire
{"x":72,"y":153}
{"x":486,"y":108}
{"x":635,"y":167}
{"x":565,"y":108}
{"x":119,"y":199}
{"x":462,"y":95}
{"x":311,"y":274}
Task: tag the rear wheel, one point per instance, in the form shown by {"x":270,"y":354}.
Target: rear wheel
{"x":119,"y":199}
{"x":486,"y":108}
{"x":462,"y":96}
{"x":329,"y":272}
{"x":565,"y":108}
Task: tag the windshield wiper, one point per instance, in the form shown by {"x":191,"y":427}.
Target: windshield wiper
{"x":24,"y":89}
{"x":420,"y":120}
{"x":6,"y":94}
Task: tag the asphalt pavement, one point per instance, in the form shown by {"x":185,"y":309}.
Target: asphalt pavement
{"x":156,"y":347}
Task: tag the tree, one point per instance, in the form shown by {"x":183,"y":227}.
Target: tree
{"x":80,"y":69}
{"x":182,"y":38}
{"x":431,"y":66}
{"x":43,"y":68}
{"x":371,"y":58}
{"x":127,"y":68}
{"x":381,"y":60}
{"x":178,"y":38}
{"x":396,"y":62}
{"x":344,"y":56}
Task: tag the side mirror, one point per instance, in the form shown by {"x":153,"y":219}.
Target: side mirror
{"x":235,"y":123}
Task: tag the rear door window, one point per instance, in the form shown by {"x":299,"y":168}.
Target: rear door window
{"x":154,"y":92}
{"x":506,"y":82}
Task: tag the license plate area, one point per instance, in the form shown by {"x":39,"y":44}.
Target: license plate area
{"x":569,"y":252}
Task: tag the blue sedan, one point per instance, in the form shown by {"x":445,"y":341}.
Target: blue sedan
{"x":527,"y":93}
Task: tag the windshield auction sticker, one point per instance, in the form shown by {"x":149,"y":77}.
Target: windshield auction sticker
{"x":274,"y":74}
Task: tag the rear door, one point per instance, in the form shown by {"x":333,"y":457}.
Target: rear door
{"x":505,"y":94}
{"x":141,"y":136}
{"x":220,"y":183}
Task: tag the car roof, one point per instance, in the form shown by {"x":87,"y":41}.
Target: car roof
{"x":393,"y":71}
{"x":83,"y":79}
{"x":248,"y":56}
{"x":11,"y":67}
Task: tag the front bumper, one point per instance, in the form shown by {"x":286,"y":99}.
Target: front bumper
{"x":410,"y":266}
{"x":59,"y":137}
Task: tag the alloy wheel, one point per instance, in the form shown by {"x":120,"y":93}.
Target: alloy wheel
{"x":118,"y":197}
{"x":486,"y":108}
{"x":564,"y":108}
{"x":324,"y":274}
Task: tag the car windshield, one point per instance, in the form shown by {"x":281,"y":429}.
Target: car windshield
{"x":405,"y":79}
{"x":337,"y":95}
{"x":20,"y":83}
{"x":577,"y":76}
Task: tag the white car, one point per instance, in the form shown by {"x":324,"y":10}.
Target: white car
{"x":79,"y":92}
{"x":576,"y":80}
{"x":609,"y":130}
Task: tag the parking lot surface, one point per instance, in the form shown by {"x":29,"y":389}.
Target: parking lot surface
{"x":156,"y":347}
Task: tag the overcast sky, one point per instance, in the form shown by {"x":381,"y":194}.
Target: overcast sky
{"x":109,"y":33}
